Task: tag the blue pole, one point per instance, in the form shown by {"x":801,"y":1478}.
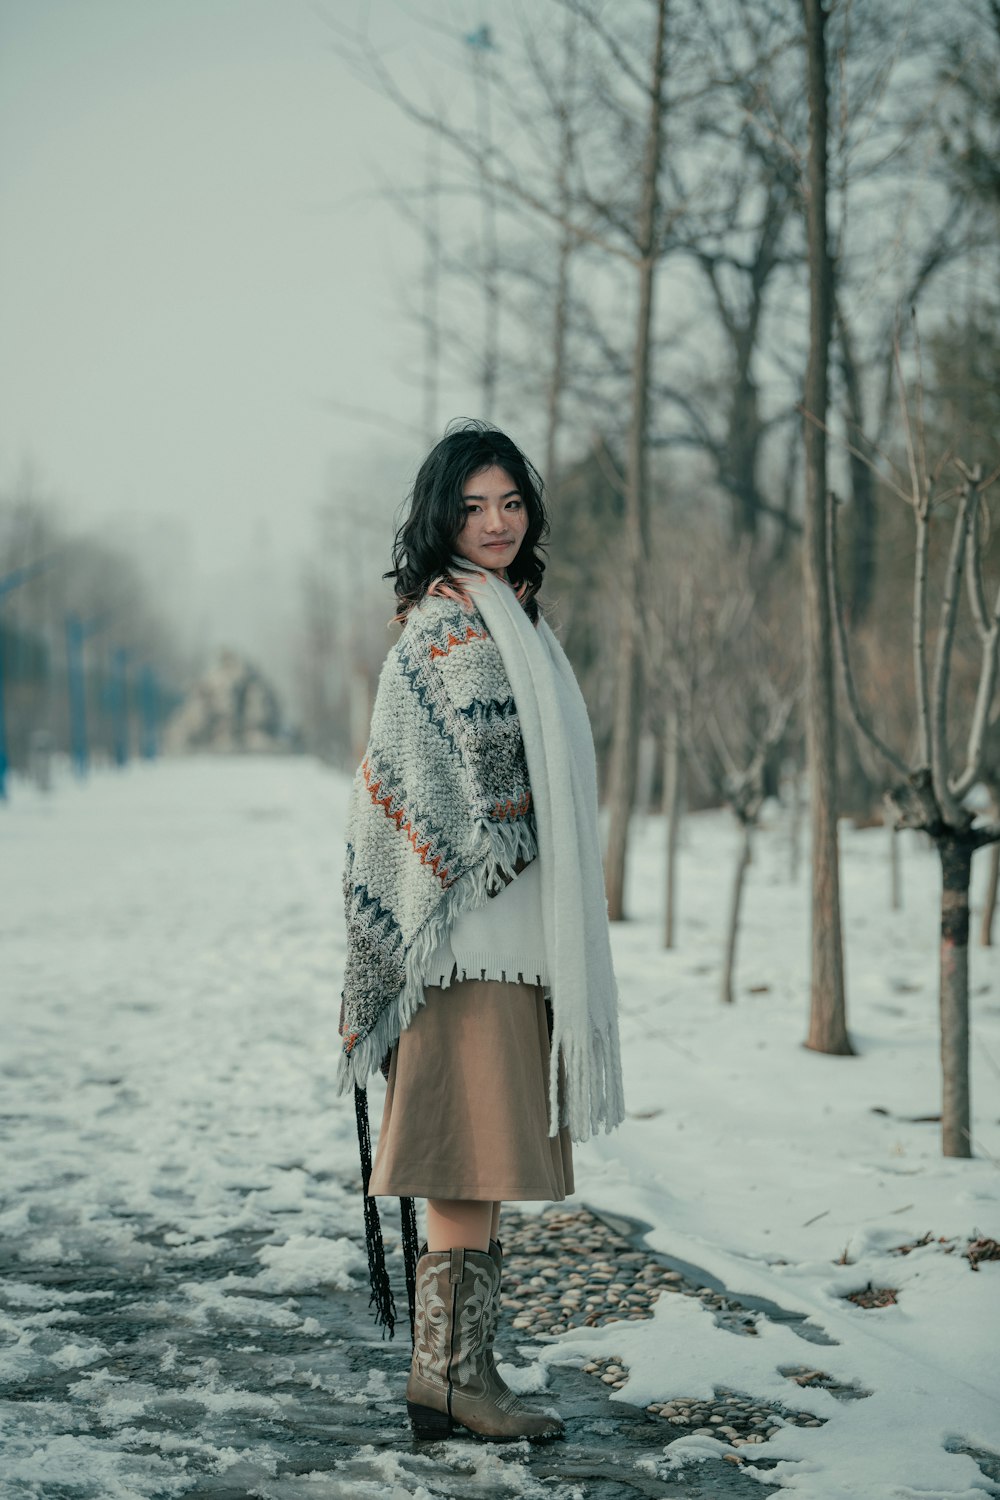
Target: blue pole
{"x":77,"y":694}
{"x":119,"y":704}
{"x":150,"y":708}
{"x":12,"y":581}
{"x":77,"y":631}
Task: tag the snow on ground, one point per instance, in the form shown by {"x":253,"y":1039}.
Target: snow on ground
{"x":170,"y":942}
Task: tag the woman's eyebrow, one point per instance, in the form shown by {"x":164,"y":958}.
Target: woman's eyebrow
{"x":505,"y":496}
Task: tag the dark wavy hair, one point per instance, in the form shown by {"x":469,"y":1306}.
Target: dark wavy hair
{"x":425,"y":542}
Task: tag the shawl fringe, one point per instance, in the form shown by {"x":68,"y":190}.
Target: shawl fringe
{"x":506,"y":843}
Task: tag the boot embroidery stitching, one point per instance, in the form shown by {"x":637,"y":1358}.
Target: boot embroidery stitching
{"x":431,"y":1325}
{"x":473,"y":1331}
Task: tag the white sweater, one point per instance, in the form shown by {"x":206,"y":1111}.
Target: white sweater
{"x":501,"y":940}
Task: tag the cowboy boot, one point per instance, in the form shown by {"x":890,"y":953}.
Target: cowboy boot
{"x":451,"y":1381}
{"x":496,"y":1252}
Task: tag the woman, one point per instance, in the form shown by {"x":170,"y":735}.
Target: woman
{"x":478,"y":972}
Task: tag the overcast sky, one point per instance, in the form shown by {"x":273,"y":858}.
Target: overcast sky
{"x":195,"y":269}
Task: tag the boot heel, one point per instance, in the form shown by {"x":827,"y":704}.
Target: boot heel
{"x":426,"y":1422}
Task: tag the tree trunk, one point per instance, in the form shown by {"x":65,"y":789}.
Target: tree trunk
{"x":993,"y":878}
{"x":861,"y":584}
{"x":432,"y":282}
{"x":742,"y":861}
{"x":956,"y":874}
{"x":895,"y":881}
{"x":624,"y":759}
{"x":567,"y":243}
{"x":490,"y":250}
{"x":557,"y":374}
{"x":628,"y":678}
{"x":827,"y":1018}
{"x":742,"y":446}
{"x":990,"y":904}
{"x":795,"y":822}
{"x":672,"y":803}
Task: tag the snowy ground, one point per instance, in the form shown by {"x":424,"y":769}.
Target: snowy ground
{"x":169,"y":948}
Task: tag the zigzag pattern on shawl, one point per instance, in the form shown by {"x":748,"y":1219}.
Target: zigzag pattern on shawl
{"x":375,"y":927}
{"x":386,"y":790}
{"x":371,"y":908}
{"x":485,"y":711}
{"x":414,"y":662}
{"x":469,"y":634}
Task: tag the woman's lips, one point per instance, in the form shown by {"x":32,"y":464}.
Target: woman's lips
{"x":498,"y":544}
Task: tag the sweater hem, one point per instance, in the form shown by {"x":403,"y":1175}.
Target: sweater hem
{"x":505,"y":967}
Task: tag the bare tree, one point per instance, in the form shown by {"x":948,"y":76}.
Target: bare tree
{"x":723,"y":678}
{"x":628,"y":679}
{"x":827,"y":1011}
{"x":672,"y":667}
{"x":738,"y":780}
{"x":929,"y":793}
{"x":673,"y":803}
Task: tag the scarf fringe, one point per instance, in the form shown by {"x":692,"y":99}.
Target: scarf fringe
{"x":594,"y":1094}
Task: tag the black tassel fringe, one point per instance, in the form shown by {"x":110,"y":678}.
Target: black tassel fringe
{"x":408,"y":1219}
{"x":381,"y":1295}
{"x":385,"y":1306}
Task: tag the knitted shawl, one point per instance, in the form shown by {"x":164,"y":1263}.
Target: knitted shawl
{"x":440,"y":805}
{"x":469,"y":701}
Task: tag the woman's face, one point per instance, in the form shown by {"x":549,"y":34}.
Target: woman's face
{"x":496,"y":518}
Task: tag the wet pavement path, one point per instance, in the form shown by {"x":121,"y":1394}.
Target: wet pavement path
{"x":183,"y":1297}
{"x":204,"y":1386}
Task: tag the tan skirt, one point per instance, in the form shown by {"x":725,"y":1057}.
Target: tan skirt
{"x":466,"y":1106}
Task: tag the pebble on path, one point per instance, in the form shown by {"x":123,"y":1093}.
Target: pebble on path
{"x":568,"y":1269}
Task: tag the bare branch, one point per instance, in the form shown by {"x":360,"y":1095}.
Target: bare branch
{"x":942,"y":664}
{"x":887,"y":479}
{"x":921,"y":690}
{"x":974,"y":579}
{"x":588,"y":15}
{"x":921,"y":423}
{"x":719,"y":741}
{"x":911,"y":456}
{"x":505,"y":177}
{"x":858,"y":716}
{"x":989,"y":631}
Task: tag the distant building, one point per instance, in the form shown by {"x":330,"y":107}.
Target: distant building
{"x":231,"y":709}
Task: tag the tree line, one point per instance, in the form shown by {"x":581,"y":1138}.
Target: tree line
{"x":732,"y":268}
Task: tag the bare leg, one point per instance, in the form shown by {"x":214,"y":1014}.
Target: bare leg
{"x":495,"y":1222}
{"x":458,"y":1222}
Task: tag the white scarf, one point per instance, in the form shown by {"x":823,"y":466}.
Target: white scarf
{"x":559,"y":749}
